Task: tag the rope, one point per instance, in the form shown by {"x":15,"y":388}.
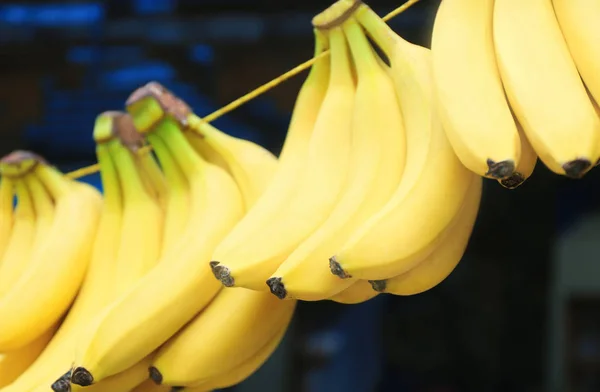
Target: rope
{"x":84,"y":171}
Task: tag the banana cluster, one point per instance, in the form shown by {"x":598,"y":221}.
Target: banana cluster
{"x":515,"y":80}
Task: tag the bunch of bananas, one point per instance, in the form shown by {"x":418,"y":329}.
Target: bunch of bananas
{"x":518,"y":79}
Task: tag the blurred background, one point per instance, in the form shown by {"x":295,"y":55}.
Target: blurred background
{"x":520,"y":313}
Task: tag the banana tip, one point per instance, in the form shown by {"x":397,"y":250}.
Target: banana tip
{"x":277,"y":287}
{"x":577,"y":168}
{"x":337,"y":269}
{"x":177,"y":389}
{"x":513,"y":181}
{"x":502,"y":169}
{"x":222,"y":274}
{"x":378,"y":285}
{"x":63,"y":384}
{"x":82,"y":377}
{"x":155,"y":375}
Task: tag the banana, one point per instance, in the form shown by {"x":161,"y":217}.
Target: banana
{"x":361,"y":291}
{"x":291,"y":160}
{"x":434,"y":183}
{"x":150,"y":386}
{"x":251,"y":165}
{"x":242,"y":371}
{"x":124,"y":381}
{"x":14,"y":363}
{"x":228,"y":332}
{"x":317,"y":189}
{"x":441,"y":262}
{"x":204,"y":149}
{"x":377,"y":159}
{"x":98,"y":285}
{"x":550,"y":102}
{"x":145,"y":317}
{"x":578,"y":23}
{"x":58,"y":264}
{"x":6,"y":213}
{"x":468,"y":89}
{"x":526,"y":164}
{"x":18,"y":252}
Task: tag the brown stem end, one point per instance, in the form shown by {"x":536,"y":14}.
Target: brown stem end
{"x":155,"y":375}
{"x":337,"y":269}
{"x":277,"y":287}
{"x":336,"y":14}
{"x":577,"y":168}
{"x":500,"y":170}
{"x":222,"y":274}
{"x":378,"y":285}
{"x":82,"y":377}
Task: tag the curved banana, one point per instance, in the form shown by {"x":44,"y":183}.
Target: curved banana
{"x":377,"y":159}
{"x":205,"y":150}
{"x":468,"y":89}
{"x":441,"y":262}
{"x":14,"y":363}
{"x":361,"y":291}
{"x":550,"y":102}
{"x":241,"y":372}
{"x":291,"y":161}
{"x":124,"y":381}
{"x":578,"y":23}
{"x":6,"y":212}
{"x":317,"y":189}
{"x":434,"y":183}
{"x":19,"y":248}
{"x":228,"y":332}
{"x":98,"y":286}
{"x":526,"y":164}
{"x":58,"y":264}
{"x":145,"y":317}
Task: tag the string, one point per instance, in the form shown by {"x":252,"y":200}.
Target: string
{"x":84,"y":171}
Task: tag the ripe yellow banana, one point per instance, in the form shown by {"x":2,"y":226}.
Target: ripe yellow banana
{"x":98,"y":285}
{"x":205,"y":150}
{"x":361,"y":291}
{"x":543,"y":86}
{"x":124,"y":381}
{"x":18,"y":252}
{"x":14,"y":363}
{"x":317,"y":188}
{"x":6,"y":212}
{"x":58,"y":264}
{"x":291,"y":160}
{"x":578,"y":23}
{"x":251,"y":165}
{"x":377,"y":159}
{"x":228,"y":332}
{"x":468,"y":89}
{"x":145,"y":317}
{"x":442,"y":261}
{"x":526,"y":164}
{"x":242,"y":371}
{"x":434,"y":183}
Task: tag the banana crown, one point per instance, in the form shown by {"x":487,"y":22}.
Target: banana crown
{"x":19,"y":163}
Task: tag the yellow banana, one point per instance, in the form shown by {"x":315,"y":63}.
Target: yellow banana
{"x":291,"y":161}
{"x":361,"y":291}
{"x":98,"y":285}
{"x":526,"y":164}
{"x":317,"y":188}
{"x":442,"y":261}
{"x":550,"y":101}
{"x":434,"y":183}
{"x":205,"y":150}
{"x":578,"y":23}
{"x":14,"y":363}
{"x":145,"y":317}
{"x":377,"y":159}
{"x":58,"y":264}
{"x":228,"y":332}
{"x":18,"y":252}
{"x":124,"y":381}
{"x":6,"y":213}
{"x":468,"y":89}
{"x":241,"y":372}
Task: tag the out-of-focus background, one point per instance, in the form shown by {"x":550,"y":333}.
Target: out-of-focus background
{"x":520,"y":313}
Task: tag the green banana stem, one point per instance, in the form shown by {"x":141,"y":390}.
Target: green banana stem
{"x":185,"y":156}
{"x":113,"y":198}
{"x":7,"y":193}
{"x":377,"y":29}
{"x":362,"y":52}
{"x":56,"y":183}
{"x":131,"y":180}
{"x":340,"y":60}
{"x":173,"y":173}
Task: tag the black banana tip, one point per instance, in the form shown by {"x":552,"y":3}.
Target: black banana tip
{"x":82,"y":377}
{"x":155,"y":375}
{"x":577,"y":168}
{"x":222,"y":274}
{"x":499,"y":170}
{"x":63,"y":384}
{"x":337,"y":269}
{"x":277,"y":287}
{"x":378,"y":285}
{"x":177,"y":389}
{"x":513,"y":181}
